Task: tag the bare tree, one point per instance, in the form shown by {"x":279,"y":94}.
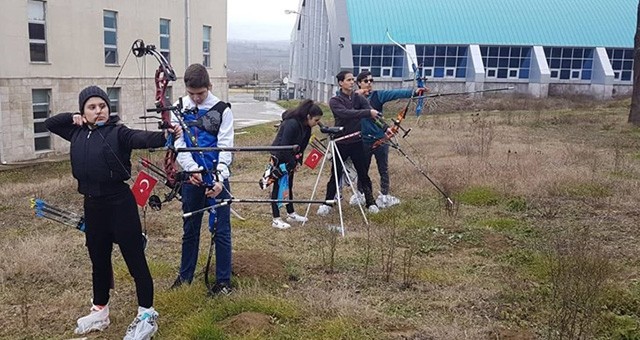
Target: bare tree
{"x":634,"y":113}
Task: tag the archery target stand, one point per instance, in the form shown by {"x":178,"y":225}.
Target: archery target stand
{"x":333,"y":153}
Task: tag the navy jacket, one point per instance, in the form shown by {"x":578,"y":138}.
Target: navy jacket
{"x":101,"y":157}
{"x":347,"y":111}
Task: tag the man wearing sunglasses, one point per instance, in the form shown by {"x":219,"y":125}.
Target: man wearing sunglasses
{"x":372,"y":132}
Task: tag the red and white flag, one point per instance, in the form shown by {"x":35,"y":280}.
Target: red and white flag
{"x":142,"y":187}
{"x":314,"y":158}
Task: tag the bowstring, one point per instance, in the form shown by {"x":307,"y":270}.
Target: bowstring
{"x":142,"y":75}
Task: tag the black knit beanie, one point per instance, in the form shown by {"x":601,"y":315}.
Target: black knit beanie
{"x":92,"y":91}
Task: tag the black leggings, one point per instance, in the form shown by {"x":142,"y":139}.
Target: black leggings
{"x":275,"y":211}
{"x":114,"y":219}
{"x":356,"y":152}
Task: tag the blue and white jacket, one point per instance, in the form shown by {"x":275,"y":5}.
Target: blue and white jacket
{"x":193,"y":161}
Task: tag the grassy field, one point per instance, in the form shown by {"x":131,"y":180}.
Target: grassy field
{"x":542,"y":243}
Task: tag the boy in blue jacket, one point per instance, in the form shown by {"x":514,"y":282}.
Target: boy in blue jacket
{"x":372,"y":132}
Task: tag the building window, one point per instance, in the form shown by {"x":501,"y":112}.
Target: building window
{"x":114,"y":100}
{"x":506,"y":62}
{"x":566,"y":63}
{"x":442,"y":61}
{"x":110,"y":23}
{"x":37,"y":31}
{"x":40,"y":107}
{"x":380,"y":60}
{"x":622,"y":63}
{"x":165,"y":34}
{"x":206,"y":46}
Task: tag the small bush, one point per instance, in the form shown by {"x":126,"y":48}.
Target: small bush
{"x":517,"y":204}
{"x":479,"y":196}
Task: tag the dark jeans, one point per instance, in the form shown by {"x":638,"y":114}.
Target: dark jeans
{"x":193,"y":198}
{"x":114,"y":219}
{"x":381,"y":154}
{"x":359,"y":159}
{"x":275,"y":211}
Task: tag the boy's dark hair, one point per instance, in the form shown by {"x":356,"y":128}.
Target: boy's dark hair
{"x":340,"y":76}
{"x":361,"y":76}
{"x":196,"y":76}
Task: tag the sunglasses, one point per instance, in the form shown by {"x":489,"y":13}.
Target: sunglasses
{"x":367,"y":81}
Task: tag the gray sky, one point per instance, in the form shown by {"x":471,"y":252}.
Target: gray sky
{"x":260,"y":19}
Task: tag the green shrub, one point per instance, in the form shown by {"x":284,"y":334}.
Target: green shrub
{"x":479,"y":196}
{"x":517,"y":204}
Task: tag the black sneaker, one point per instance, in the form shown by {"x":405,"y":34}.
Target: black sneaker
{"x":177,"y":283}
{"x":221,"y":289}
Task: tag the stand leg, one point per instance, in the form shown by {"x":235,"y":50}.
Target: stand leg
{"x":353,"y":189}
{"x":315,"y":186}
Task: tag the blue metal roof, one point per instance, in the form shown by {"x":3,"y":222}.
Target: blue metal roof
{"x":608,"y":23}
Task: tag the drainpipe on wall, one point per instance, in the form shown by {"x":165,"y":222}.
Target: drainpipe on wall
{"x":2,"y":138}
{"x":187,"y":33}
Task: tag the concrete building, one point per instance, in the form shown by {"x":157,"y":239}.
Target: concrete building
{"x":541,"y":47}
{"x":53,"y":49}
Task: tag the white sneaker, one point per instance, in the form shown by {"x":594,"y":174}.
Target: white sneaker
{"x":386,"y":201}
{"x":294,"y":217}
{"x":373,"y":209}
{"x":280,"y":224}
{"x":144,"y":326}
{"x":391,"y":200}
{"x":357,"y":199}
{"x":324,"y":210}
{"x":97,"y":320}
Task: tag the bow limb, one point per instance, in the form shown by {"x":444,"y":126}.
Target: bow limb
{"x":163,"y":75}
{"x":418,"y":79}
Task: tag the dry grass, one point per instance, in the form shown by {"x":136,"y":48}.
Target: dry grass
{"x":521,"y":171}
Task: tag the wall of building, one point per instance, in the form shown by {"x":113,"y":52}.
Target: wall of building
{"x":75,"y":59}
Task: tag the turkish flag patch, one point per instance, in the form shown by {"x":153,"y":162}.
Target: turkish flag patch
{"x":314,"y":158}
{"x":142,"y":187}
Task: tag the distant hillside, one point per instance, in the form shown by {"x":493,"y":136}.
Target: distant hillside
{"x":264,"y":58}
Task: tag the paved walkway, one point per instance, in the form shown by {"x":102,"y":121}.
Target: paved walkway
{"x":248,"y":111}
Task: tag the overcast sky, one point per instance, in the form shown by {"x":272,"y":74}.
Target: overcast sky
{"x":260,"y":19}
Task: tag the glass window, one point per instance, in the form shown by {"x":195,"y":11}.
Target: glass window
{"x":380,"y":60}
{"x":40,"y":106}
{"x":443,"y":61}
{"x":570,"y":63}
{"x":110,"y":25}
{"x":165,"y":38}
{"x":206,"y":46}
{"x":37,"y":31}
{"x":114,"y":99}
{"x":622,"y":63}
{"x":506,"y":62}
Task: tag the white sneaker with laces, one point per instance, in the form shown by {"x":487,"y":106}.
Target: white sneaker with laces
{"x":324,"y":210}
{"x":144,"y":326}
{"x":280,"y":224}
{"x":97,"y":320}
{"x":373,"y":209}
{"x":386,"y":201}
{"x":357,"y":199}
{"x":391,"y":200}
{"x":294,"y":217}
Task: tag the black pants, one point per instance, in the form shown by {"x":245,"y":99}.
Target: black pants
{"x":359,"y":158}
{"x":114,"y":219}
{"x":381,"y":154}
{"x":275,"y":211}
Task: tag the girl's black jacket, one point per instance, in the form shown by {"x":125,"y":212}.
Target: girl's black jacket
{"x":101,"y":157}
{"x":292,"y":131}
